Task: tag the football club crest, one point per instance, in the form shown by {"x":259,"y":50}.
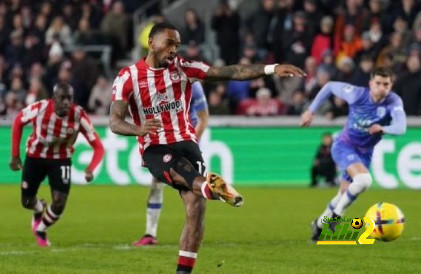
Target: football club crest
{"x":167,"y":157}
{"x":175,"y":77}
{"x":381,"y":111}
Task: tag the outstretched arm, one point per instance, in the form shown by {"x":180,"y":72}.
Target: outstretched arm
{"x":202,"y":123}
{"x":248,"y":72}
{"x":118,"y":124}
{"x":342,"y":90}
{"x":16,"y":162}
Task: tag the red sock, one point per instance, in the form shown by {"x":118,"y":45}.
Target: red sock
{"x":186,"y":260}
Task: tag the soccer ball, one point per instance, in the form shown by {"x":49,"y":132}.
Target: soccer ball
{"x":389,"y":221}
{"x":357,"y":223}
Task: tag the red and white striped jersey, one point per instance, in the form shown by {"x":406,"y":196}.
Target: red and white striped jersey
{"x":163,"y":94}
{"x":53,"y":136}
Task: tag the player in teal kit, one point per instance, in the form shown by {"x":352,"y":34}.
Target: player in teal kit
{"x":373,"y":111}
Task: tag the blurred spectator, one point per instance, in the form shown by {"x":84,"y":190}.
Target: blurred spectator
{"x":3,"y":107}
{"x":310,"y":79}
{"x":91,"y":12}
{"x":323,"y":164}
{"x":408,"y":10}
{"x":345,"y":70}
{"x":4,"y":34}
{"x":15,"y":51}
{"x":361,"y":75}
{"x":264,"y":105}
{"x":298,"y":105}
{"x":116,"y":25}
{"x":338,"y":108}
{"x":18,"y":24}
{"x":100,"y":98}
{"x":323,"y":77}
{"x":297,"y":42}
{"x":3,"y":69}
{"x":377,"y":12}
{"x":58,"y":30}
{"x":283,"y":23}
{"x":324,"y":40}
{"x":396,"y":49}
{"x":85,"y":72}
{"x":193,"y":52}
{"x":217,"y":104}
{"x":194,"y":30}
{"x":355,"y":15}
{"x":328,"y":63}
{"x":40,"y":28}
{"x":367,"y":49}
{"x":69,"y":15}
{"x":84,"y":35}
{"x":144,"y":34}
{"x":259,"y":23}
{"x":226,"y":24}
{"x":416,"y":37}
{"x":313,"y":15}
{"x":351,"y":43}
{"x":401,"y":26}
{"x":45,"y":11}
{"x":18,"y":91}
{"x":33,"y":51}
{"x":13,"y":105}
{"x":27,"y":17}
{"x":36,"y":91}
{"x":409,"y":86}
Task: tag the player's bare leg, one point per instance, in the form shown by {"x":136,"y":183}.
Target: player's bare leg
{"x":193,"y":230}
{"x":212,"y":187}
{"x":153,"y":211}
{"x":37,"y":205}
{"x":50,"y":216}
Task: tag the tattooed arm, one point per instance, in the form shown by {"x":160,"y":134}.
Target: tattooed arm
{"x":248,"y":72}
{"x":118,"y":124}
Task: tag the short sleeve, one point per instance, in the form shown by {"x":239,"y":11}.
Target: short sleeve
{"x":86,"y":127}
{"x":30,"y":112}
{"x":194,"y":69}
{"x":122,"y":86}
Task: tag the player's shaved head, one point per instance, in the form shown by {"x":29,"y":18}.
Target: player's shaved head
{"x":160,"y":27}
{"x":63,"y":98}
{"x":62,"y":87}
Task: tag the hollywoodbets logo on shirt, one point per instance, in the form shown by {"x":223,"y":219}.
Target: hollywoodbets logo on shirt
{"x":346,"y":233}
{"x":167,"y":106}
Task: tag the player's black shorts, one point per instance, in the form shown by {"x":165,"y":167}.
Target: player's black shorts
{"x":36,"y":169}
{"x":159,"y":159}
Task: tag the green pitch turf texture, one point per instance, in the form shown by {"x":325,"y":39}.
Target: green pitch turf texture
{"x":268,"y":235}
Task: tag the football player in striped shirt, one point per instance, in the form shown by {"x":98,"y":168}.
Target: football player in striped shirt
{"x":156,"y":91}
{"x":199,"y":116}
{"x":56,"y":124}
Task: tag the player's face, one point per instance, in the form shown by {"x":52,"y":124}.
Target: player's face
{"x":164,"y":46}
{"x":380,"y":86}
{"x":62,"y":100}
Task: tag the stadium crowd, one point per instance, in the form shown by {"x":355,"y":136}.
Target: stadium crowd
{"x":329,"y":39}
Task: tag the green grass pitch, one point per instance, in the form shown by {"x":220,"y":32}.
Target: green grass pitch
{"x":268,"y":235}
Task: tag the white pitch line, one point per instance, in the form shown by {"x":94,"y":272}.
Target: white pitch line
{"x":16,"y":252}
